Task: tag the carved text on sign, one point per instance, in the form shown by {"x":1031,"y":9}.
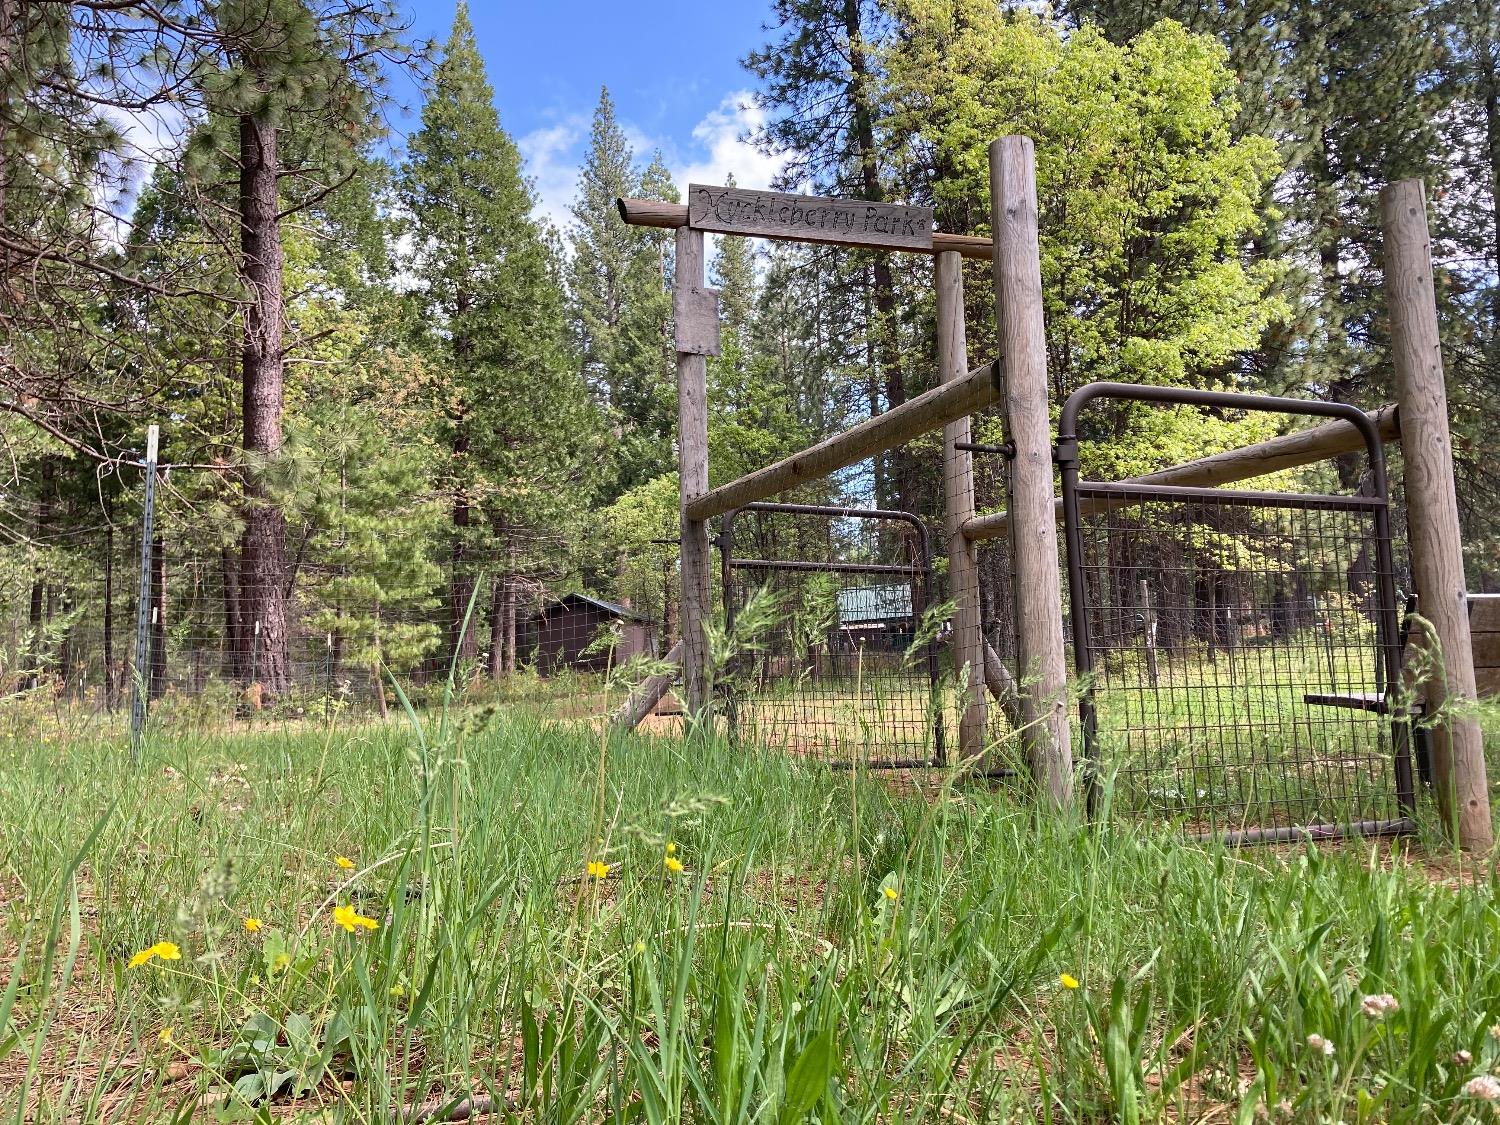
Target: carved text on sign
{"x":807,"y":218}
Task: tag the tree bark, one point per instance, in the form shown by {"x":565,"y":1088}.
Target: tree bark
{"x":262,"y":576}
{"x":497,"y":626}
{"x":898,"y":464}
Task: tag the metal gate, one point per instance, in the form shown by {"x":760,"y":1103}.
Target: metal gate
{"x":845,"y":672}
{"x":1234,"y":647}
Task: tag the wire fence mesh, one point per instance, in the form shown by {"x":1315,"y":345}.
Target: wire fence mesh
{"x":847,"y":667}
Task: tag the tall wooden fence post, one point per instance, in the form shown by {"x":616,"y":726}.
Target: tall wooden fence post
{"x":696,"y":315}
{"x":1033,"y":526}
{"x":1432,"y":512}
{"x":958,"y":508}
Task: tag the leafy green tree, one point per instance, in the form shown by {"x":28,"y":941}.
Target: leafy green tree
{"x":1146,"y":197}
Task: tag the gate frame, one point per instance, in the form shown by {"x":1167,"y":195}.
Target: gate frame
{"x":923,"y":571}
{"x":1387,"y":669}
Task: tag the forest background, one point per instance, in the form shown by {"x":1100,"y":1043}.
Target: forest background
{"x":389,"y":386}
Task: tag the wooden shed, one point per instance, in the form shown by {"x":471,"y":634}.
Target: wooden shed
{"x":563,"y":634}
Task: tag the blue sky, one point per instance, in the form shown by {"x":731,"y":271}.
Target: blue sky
{"x":672,"y":68}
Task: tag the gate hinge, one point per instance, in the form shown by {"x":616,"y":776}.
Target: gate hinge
{"x":1065,"y":452}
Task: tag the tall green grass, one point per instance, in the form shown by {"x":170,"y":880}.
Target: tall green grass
{"x":831,"y":950}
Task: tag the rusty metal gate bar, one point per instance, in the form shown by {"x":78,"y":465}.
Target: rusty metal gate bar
{"x":918,"y":573}
{"x":1328,"y":520}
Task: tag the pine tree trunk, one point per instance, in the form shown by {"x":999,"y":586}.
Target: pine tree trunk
{"x":262,"y":575}
{"x":861,"y":100}
{"x":497,"y":627}
{"x":510,"y":614}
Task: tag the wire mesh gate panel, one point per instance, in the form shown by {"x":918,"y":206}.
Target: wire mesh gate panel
{"x":1235,"y":647}
{"x":838,"y":667}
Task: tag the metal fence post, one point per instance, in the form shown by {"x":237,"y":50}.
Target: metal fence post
{"x":143,"y":604}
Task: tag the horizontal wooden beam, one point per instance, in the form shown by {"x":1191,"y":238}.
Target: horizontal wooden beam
{"x":1286,"y":452}
{"x":916,"y":416}
{"x":652,"y":213}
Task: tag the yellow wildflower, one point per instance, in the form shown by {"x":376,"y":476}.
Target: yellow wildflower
{"x":671,"y":848}
{"x":164,"y":1035}
{"x":166,"y":950}
{"x":350,"y":918}
{"x":281,"y":961}
{"x":640,"y":947}
{"x":1067,"y":980}
{"x":673,"y":864}
{"x":253,"y":925}
{"x":892,"y":894}
{"x":344,"y":861}
{"x":597,"y":869}
{"x":398,"y":990}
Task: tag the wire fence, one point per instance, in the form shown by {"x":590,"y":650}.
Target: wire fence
{"x":69,"y":628}
{"x":846,"y":669}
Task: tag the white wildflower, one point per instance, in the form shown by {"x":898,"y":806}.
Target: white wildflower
{"x":1379,"y":1006}
{"x":1485,"y":1088}
{"x":1318,"y":1043}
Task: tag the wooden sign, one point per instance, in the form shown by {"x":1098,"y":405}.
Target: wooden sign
{"x":808,"y":218}
{"x":696,"y":313}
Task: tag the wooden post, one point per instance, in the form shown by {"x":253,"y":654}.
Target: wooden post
{"x":1023,"y":360}
{"x":973,"y":391}
{"x":958,"y":508}
{"x":646,"y":695}
{"x":692,"y":450}
{"x":1432,"y":513}
{"x":1288,"y":451}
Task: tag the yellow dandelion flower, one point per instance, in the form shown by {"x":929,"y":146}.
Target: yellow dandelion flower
{"x":166,"y":950}
{"x":344,"y":861}
{"x":398,"y":991}
{"x":352,"y":919}
{"x":164,"y":1035}
{"x":671,"y":848}
{"x":253,"y":925}
{"x":1067,"y":980}
{"x":673,"y":864}
{"x":892,"y":894}
{"x":597,"y":869}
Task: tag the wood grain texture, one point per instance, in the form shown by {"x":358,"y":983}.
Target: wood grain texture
{"x":653,"y":213}
{"x":958,"y":508}
{"x":1436,"y":543}
{"x":1304,"y":447}
{"x":809,"y":218}
{"x":1023,"y":360}
{"x":692,"y":446}
{"x":647,"y":694}
{"x":912,"y":418}
{"x":695,"y":316}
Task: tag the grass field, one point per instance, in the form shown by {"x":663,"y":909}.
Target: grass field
{"x":829,"y":949}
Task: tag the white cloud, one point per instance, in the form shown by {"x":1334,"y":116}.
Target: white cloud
{"x":724,"y":150}
{"x":716,"y":150}
{"x":552,"y":158}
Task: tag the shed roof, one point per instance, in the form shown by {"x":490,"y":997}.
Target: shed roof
{"x":611,"y":608}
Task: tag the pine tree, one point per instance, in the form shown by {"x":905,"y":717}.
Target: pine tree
{"x":620,"y":288}
{"x":515,"y":421}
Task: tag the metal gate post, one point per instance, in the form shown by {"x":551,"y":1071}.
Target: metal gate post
{"x":143,"y":604}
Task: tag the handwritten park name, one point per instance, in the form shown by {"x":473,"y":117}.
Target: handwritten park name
{"x":807,"y":218}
